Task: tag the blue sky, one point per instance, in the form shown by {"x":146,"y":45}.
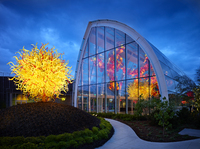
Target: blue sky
{"x":173,"y":26}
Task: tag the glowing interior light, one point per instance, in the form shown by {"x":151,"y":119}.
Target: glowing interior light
{"x":41,"y":73}
{"x":133,"y":89}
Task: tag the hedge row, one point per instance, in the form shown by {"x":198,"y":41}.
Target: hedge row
{"x":125,"y":117}
{"x":66,"y":140}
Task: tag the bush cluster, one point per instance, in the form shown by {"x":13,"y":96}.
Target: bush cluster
{"x":125,"y":117}
{"x":184,"y":116}
{"x":66,"y":140}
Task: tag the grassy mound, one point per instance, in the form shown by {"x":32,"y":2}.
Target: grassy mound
{"x":43,"y":119}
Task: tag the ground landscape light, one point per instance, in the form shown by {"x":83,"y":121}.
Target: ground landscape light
{"x":41,"y":74}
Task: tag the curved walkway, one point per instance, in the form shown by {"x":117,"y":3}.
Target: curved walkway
{"x":125,"y":138}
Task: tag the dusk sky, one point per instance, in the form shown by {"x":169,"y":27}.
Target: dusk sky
{"x":173,"y":26}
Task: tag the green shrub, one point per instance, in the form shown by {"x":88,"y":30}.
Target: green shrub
{"x":50,"y":138}
{"x":66,"y":140}
{"x":51,"y":145}
{"x":77,"y":134}
{"x":35,"y":140}
{"x":5,"y":147}
{"x":88,"y":132}
{"x":184,"y":115}
{"x":95,"y":137}
{"x":11,"y":140}
{"x":80,"y":140}
{"x":66,"y":137}
{"x":95,"y":130}
{"x":72,"y":143}
{"x":62,"y":144}
{"x":28,"y":145}
{"x":153,"y":120}
{"x":88,"y":140}
{"x":102,"y":134}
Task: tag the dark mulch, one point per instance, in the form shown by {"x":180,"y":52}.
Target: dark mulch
{"x":151,"y":133}
{"x":43,"y":119}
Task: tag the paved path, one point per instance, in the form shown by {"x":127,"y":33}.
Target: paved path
{"x":125,"y":138}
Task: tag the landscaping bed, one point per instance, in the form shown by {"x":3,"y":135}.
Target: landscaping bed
{"x":147,"y":132}
{"x":51,"y":125}
{"x":145,"y":129}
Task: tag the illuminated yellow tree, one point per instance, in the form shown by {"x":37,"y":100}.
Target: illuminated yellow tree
{"x":41,"y":73}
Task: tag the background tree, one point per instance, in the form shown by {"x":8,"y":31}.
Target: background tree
{"x":183,"y":88}
{"x":41,"y":73}
{"x":165,"y":114}
{"x":198,"y":76}
{"x":196,"y":90}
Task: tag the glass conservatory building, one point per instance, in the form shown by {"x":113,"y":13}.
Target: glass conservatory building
{"x":117,"y":66}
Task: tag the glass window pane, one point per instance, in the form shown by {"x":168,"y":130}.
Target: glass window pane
{"x":132,"y":94}
{"x":121,"y":97}
{"x":100,"y":61}
{"x":86,"y":52}
{"x":120,"y":63}
{"x":166,"y":70}
{"x":128,"y":39}
{"x":109,"y":38}
{"x":79,"y":97}
{"x":110,"y":65}
{"x":100,"y":39}
{"x":93,"y":99}
{"x":110,"y":97}
{"x":154,"y":89}
{"x":152,"y":73}
{"x":92,"y":41}
{"x":85,"y":72}
{"x":101,"y":97}
{"x":132,"y":60}
{"x":144,"y":88}
{"x":80,"y":77}
{"x":171,"y":84}
{"x":144,"y":64}
{"x":119,"y":38}
{"x":93,"y":70}
{"x":174,"y":74}
{"x":85,"y":98}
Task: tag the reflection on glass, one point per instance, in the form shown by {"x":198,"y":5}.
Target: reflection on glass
{"x":93,"y":70}
{"x":109,"y":38}
{"x":128,"y":39}
{"x":101,"y":98}
{"x":154,"y":89}
{"x":80,"y":78}
{"x":120,"y":63}
{"x":152,"y":73}
{"x":92,"y":41}
{"x":110,"y":66}
{"x":132,"y":92}
{"x":121,"y":97}
{"x":93,"y":99}
{"x":105,"y":85}
{"x":85,"y":98}
{"x":144,"y":88}
{"x":110,"y":99}
{"x":166,"y":70}
{"x":79,"y":97}
{"x":132,"y":60}
{"x":119,"y":38}
{"x":171,"y":85}
{"x":85,"y":71}
{"x":100,"y":68}
{"x":86,"y":51}
{"x":100,"y":39}
{"x":175,"y":74}
{"x":144,"y":64}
